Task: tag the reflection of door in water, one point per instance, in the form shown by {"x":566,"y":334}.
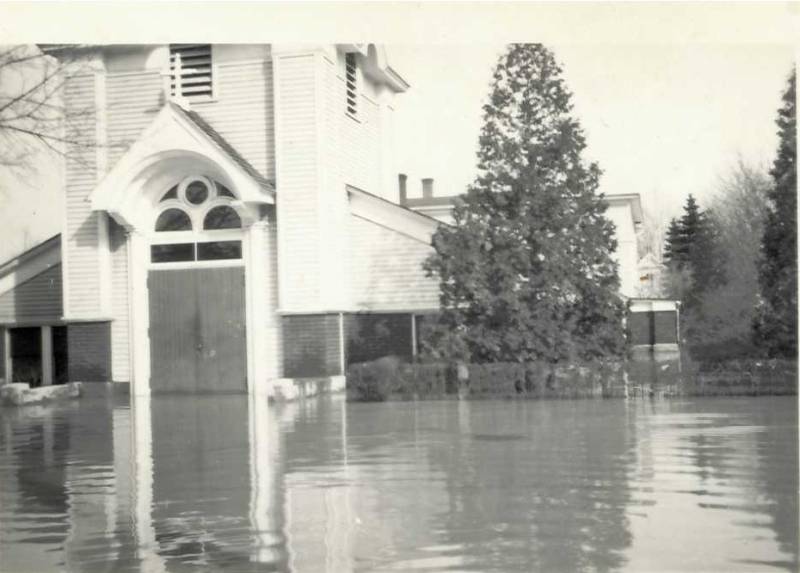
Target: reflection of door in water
{"x":197,"y":330}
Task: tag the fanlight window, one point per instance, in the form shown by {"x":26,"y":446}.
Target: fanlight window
{"x":200,"y":200}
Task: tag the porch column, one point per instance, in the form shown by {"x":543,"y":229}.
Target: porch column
{"x":414,"y":342}
{"x":138,"y":259}
{"x":47,"y":356}
{"x":6,"y":333}
{"x":256,"y":308}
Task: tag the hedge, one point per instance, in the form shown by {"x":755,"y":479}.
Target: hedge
{"x":390,"y":378}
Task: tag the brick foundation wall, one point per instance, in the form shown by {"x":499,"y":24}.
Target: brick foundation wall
{"x":371,"y":336}
{"x":89,"y":352}
{"x":311,"y":345}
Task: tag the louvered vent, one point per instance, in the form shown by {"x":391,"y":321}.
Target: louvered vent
{"x":350,"y":81}
{"x":194,"y":71}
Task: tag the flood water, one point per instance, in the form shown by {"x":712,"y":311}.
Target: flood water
{"x":231,"y":484}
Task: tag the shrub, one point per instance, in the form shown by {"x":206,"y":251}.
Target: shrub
{"x":373,"y":381}
{"x":390,"y":378}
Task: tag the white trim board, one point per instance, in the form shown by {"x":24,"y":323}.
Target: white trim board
{"x":394,"y":217}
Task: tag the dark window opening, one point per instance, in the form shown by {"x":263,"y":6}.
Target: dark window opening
{"x":196,"y":192}
{"x":222,"y":217}
{"x":219,"y":250}
{"x":173,"y":220}
{"x":176,"y":253}
{"x":171,"y":194}
{"x":351,"y":85}
{"x":223,"y":191}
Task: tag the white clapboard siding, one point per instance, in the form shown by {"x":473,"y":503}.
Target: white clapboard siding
{"x":242,"y":111}
{"x":386,"y":269}
{"x":81,"y":240}
{"x":335,"y":207}
{"x":120,"y":309}
{"x":298,"y":189}
{"x":360,"y":143}
{"x":132,"y":101}
{"x":36,"y":300}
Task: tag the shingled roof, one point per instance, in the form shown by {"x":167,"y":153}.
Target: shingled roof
{"x":223,"y":144}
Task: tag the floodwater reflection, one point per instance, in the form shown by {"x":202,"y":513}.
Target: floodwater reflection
{"x":229,"y":483}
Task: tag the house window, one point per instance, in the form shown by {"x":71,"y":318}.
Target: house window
{"x":191,"y":71}
{"x":351,"y":83}
{"x":197,"y":221}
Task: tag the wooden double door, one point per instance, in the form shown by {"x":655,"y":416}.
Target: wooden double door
{"x":198,"y":336}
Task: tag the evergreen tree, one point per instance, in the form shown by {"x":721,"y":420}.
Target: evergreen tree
{"x":671,"y":243}
{"x":526,"y":272}
{"x":776,"y":324}
{"x":691,"y":250}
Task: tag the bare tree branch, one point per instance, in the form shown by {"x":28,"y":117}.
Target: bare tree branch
{"x":33,"y":114}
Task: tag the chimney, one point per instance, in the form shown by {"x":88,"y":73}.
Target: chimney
{"x":402,"y":177}
{"x":427,"y":188}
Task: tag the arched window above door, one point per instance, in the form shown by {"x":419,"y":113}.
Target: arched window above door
{"x":197,"y":202}
{"x":196,"y":220}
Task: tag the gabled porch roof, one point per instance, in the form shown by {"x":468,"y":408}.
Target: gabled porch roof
{"x":174,"y":145}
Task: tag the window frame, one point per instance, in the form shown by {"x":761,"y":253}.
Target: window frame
{"x":197,"y":235}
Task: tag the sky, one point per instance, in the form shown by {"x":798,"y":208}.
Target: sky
{"x":661,"y":120}
{"x":670,"y":95}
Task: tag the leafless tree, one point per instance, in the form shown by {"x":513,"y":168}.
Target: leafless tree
{"x":650,"y":237}
{"x":738,"y":211}
{"x":32,"y":112}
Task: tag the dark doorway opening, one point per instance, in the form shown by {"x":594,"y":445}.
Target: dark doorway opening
{"x":26,"y":355}
{"x":60,"y":372}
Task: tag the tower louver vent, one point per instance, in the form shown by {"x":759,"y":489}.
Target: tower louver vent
{"x":190,"y":64}
{"x":350,"y":81}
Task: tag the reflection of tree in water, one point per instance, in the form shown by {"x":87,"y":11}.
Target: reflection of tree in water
{"x":716,"y":456}
{"x":778,"y":472}
{"x":551,"y":496}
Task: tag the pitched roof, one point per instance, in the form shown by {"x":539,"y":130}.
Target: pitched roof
{"x":20,"y":259}
{"x":223,"y":144}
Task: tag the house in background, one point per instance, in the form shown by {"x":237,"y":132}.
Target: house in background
{"x":233,"y":222}
{"x":653,"y":323}
{"x":651,"y":275}
{"x":624,"y":210}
